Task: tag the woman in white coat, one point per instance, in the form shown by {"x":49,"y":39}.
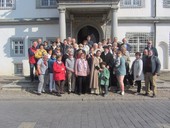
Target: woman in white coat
{"x":137,"y":70}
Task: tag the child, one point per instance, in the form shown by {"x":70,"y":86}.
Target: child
{"x":104,"y":76}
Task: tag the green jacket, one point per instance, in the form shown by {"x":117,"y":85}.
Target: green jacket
{"x":104,"y":77}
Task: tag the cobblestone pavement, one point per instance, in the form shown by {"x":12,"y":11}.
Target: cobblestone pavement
{"x":85,"y":114}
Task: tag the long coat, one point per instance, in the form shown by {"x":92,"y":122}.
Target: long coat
{"x":104,"y":77}
{"x":94,"y":80}
{"x":137,"y":69}
{"x":59,"y":71}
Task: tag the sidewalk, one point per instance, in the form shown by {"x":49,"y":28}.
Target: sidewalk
{"x":18,"y":87}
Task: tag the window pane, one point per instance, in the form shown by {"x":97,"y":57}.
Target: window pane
{"x":137,"y":2}
{"x":127,"y":2}
{"x":21,"y":49}
{"x":53,"y":2}
{"x":44,"y":2}
{"x":16,"y":49}
{"x":9,"y":3}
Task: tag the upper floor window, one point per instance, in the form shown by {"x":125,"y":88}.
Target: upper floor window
{"x":166,"y":3}
{"x":17,"y":47}
{"x":46,"y":3}
{"x":7,"y":4}
{"x":131,"y":3}
{"x":138,"y":41}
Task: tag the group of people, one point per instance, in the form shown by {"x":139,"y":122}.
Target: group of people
{"x":90,"y":67}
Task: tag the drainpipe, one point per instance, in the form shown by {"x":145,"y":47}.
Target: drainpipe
{"x":154,"y":16}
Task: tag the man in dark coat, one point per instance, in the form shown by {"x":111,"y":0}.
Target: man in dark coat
{"x":107,"y":57}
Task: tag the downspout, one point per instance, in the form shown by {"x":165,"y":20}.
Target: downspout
{"x":154,"y":16}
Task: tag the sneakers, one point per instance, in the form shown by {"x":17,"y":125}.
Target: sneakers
{"x":122,"y":93}
{"x":118,"y":92}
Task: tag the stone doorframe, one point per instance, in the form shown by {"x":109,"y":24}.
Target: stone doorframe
{"x":82,"y":25}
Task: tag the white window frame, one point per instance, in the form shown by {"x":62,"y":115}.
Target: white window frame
{"x":18,"y":68}
{"x":49,"y":3}
{"x":132,"y":3}
{"x":17,"y":44}
{"x":166,"y":3}
{"x":4,"y":4}
{"x":138,"y":40}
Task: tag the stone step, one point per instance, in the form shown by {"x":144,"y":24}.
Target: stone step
{"x":27,"y":85}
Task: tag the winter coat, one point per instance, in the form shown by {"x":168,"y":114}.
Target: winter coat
{"x":94,"y":80}
{"x":137,"y":69}
{"x":155,"y":64}
{"x":31,"y":55}
{"x":39,"y":53}
{"x":82,"y":67}
{"x":104,"y":77}
{"x":59,"y":71}
{"x":50,"y":64}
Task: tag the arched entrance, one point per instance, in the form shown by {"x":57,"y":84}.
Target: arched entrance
{"x":88,"y":30}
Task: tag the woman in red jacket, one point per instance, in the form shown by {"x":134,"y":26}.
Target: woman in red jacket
{"x":59,"y":73}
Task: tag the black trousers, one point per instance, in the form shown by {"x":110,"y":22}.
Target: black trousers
{"x":32,"y":67}
{"x":138,"y":83}
{"x":81,"y":87}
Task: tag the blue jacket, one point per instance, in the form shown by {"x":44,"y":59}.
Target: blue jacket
{"x":50,"y":64}
{"x":155,"y":63}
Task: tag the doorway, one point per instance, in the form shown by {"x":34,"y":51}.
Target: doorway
{"x":88,"y":30}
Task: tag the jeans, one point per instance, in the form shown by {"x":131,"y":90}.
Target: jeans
{"x":41,"y":84}
{"x":52,"y":83}
{"x":105,"y":88}
{"x":32,"y":66}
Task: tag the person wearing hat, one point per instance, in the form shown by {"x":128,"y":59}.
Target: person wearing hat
{"x":107,"y":57}
{"x":71,"y":78}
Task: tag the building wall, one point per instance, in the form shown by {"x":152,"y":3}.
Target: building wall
{"x":137,"y":12}
{"x":25,"y":32}
{"x":161,"y":11}
{"x":27,"y":9}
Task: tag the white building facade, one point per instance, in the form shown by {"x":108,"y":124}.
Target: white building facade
{"x":23,"y":21}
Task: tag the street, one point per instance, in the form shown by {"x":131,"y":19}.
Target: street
{"x":149,"y":113}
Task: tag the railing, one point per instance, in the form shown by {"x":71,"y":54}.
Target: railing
{"x":86,"y":1}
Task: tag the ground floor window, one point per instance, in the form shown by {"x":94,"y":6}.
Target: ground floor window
{"x":18,"y":68}
{"x":7,"y":4}
{"x":17,"y":47}
{"x":138,"y":41}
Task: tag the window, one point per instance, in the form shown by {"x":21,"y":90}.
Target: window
{"x":17,"y":47}
{"x":46,"y":3}
{"x":132,"y":3}
{"x":138,"y":41}
{"x":166,"y":3}
{"x":18,"y":68}
{"x":7,"y":4}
